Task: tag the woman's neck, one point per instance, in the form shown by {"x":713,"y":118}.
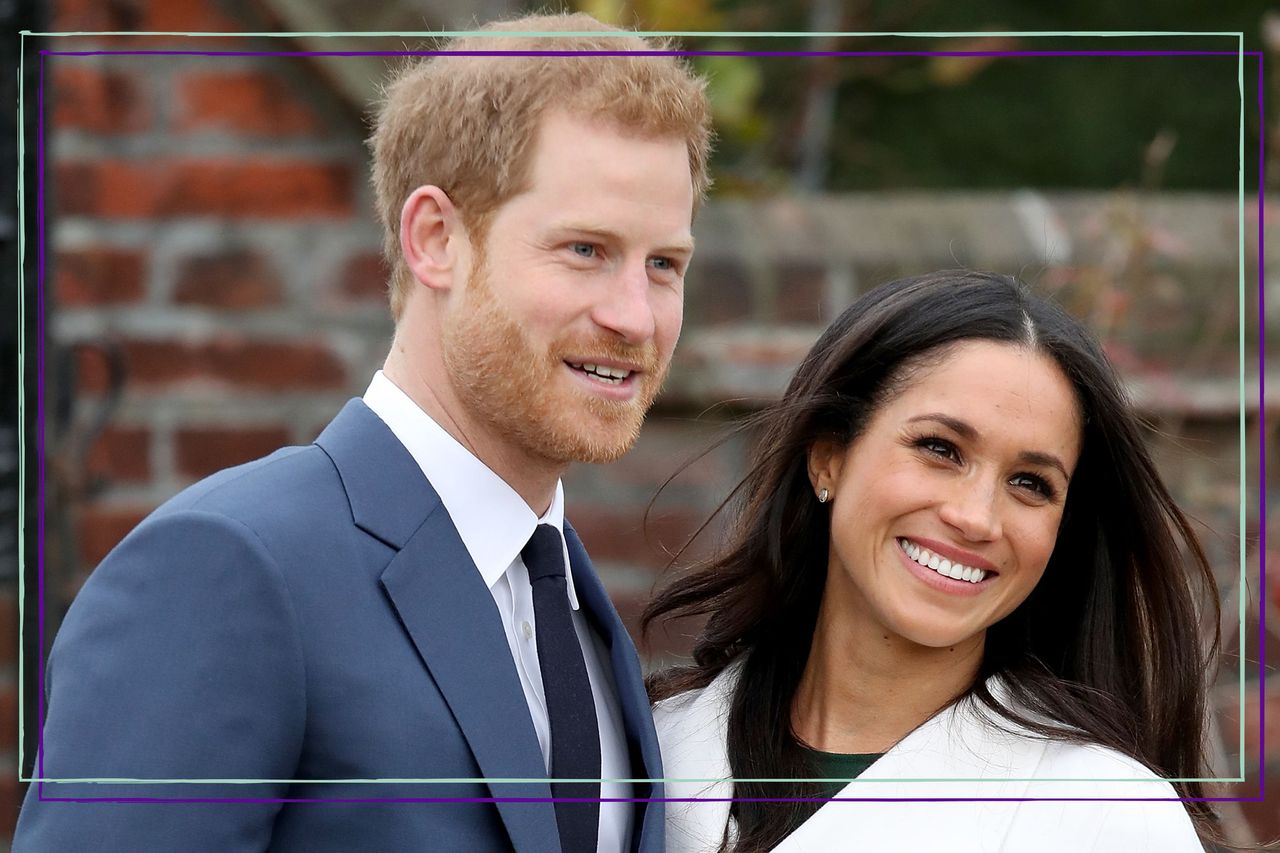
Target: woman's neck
{"x":863,"y":689}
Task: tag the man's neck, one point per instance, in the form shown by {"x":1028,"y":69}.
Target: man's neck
{"x":533,"y":479}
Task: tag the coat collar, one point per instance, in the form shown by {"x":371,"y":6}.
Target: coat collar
{"x":389,"y":497}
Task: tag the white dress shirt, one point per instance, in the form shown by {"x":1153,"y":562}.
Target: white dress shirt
{"x":494,"y":524}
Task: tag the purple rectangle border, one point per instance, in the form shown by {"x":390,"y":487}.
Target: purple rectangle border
{"x":40,"y":407}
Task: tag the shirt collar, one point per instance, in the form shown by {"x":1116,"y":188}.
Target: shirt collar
{"x":492,"y":520}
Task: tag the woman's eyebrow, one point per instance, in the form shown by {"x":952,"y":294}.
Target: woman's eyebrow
{"x":959,"y":427}
{"x":968,"y":431}
{"x":1033,"y":457}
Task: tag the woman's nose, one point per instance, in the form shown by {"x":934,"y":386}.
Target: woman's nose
{"x":971,"y":509}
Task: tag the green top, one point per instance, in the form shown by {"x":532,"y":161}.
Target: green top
{"x":837,"y":765}
{"x":831,"y":765}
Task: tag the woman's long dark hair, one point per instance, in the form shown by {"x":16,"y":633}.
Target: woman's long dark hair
{"x":1108,"y":645}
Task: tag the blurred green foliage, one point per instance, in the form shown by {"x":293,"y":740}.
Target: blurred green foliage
{"x":963,"y":122}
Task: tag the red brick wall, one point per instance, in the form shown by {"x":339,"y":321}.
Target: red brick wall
{"x":210,"y":231}
{"x":182,"y":192}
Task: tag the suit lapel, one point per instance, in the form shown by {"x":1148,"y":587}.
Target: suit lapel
{"x":455,"y":625}
{"x":632,"y":698}
{"x":448,"y":613}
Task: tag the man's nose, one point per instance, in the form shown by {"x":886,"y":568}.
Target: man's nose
{"x":624,"y":306}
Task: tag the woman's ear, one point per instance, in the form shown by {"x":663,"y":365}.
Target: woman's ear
{"x":431,"y":237}
{"x":826,"y":459}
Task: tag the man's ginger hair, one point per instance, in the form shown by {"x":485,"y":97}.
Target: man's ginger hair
{"x":467,"y":124}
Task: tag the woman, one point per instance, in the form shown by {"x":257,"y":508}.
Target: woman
{"x":953,"y":560}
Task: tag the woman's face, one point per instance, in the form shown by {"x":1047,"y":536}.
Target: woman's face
{"x":965,"y":473}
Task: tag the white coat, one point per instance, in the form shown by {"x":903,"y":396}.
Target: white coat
{"x":956,"y":755}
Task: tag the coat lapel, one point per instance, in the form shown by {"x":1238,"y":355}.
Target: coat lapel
{"x":455,"y":625}
{"x":956,"y":755}
{"x":629,"y":682}
{"x":955,"y":745}
{"x":961,"y":755}
{"x":448,"y":613}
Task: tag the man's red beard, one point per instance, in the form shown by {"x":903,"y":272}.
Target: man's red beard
{"x":518,"y":391}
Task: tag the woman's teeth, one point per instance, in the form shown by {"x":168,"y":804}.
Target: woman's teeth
{"x":608,"y":375}
{"x":942,"y":566}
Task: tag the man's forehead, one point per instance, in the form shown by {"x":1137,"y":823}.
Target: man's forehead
{"x":574,"y":126}
{"x":600,"y":178}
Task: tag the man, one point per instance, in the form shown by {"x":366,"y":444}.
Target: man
{"x":402,"y":599}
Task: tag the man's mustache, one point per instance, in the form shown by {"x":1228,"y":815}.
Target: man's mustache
{"x":590,"y":350}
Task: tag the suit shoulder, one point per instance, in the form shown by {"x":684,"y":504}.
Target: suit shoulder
{"x":292,"y":496}
{"x":266,"y":491}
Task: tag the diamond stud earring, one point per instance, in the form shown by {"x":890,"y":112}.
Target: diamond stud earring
{"x":823,"y":496}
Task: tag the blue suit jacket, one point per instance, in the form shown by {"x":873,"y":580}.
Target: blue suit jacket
{"x":309,"y":616}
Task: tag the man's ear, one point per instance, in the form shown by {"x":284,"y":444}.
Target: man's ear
{"x":826,"y":460}
{"x":431,"y":237}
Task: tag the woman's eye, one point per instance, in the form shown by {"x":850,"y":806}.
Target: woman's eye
{"x":584,"y":250}
{"x":939,"y":447}
{"x":1032,"y":483}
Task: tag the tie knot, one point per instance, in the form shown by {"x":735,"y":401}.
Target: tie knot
{"x":544,"y":555}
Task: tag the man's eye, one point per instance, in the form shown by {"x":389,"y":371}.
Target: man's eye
{"x":664,"y":264}
{"x":584,"y":250}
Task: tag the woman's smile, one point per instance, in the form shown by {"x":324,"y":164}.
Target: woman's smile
{"x":940,"y":573}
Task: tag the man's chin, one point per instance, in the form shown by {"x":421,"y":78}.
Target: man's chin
{"x":580,"y":427}
{"x":598,"y":455}
{"x":593,"y":441}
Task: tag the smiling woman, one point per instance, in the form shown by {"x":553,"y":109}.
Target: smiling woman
{"x":954,"y":575}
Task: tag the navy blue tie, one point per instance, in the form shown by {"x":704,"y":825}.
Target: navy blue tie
{"x":575,"y":736}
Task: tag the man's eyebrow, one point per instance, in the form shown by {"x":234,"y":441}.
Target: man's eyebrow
{"x":681,"y":245}
{"x":968,"y":432}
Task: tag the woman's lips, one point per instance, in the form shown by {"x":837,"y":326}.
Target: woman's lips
{"x":911,"y":553}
